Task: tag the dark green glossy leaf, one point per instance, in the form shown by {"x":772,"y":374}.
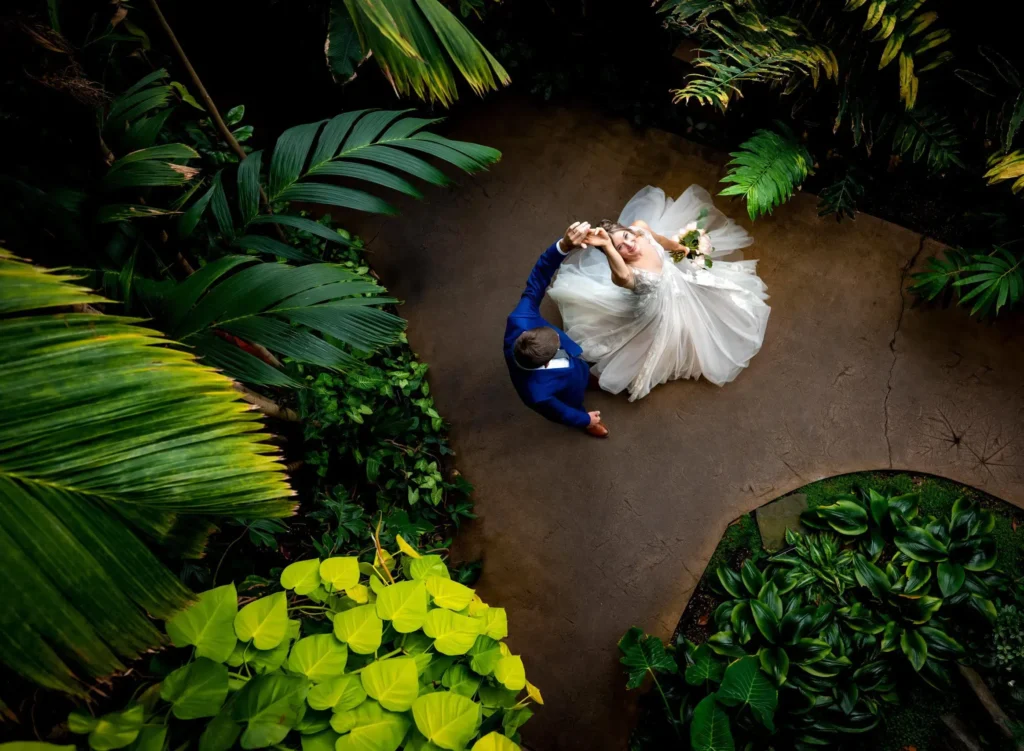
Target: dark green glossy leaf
{"x":919,"y":544}
{"x":951,"y":578}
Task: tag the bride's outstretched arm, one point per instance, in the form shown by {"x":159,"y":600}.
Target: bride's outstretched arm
{"x":622,"y":274}
{"x":666,"y":242}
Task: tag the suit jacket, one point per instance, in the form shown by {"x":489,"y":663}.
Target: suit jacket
{"x":556,"y":394}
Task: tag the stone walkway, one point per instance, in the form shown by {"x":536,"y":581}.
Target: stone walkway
{"x":582,"y":538}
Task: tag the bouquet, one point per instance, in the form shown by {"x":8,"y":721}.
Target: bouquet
{"x":695,"y":241}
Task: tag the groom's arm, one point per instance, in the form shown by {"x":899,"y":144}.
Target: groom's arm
{"x":547,"y":264}
{"x":558,"y":411}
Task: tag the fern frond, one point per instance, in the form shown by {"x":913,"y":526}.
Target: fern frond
{"x":1007,"y":167}
{"x":929,"y":136}
{"x":767,"y":169}
{"x":840,"y":198}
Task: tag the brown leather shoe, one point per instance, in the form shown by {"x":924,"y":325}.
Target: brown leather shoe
{"x":598,"y":431}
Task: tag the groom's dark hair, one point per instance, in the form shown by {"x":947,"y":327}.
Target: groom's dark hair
{"x":536,"y":347}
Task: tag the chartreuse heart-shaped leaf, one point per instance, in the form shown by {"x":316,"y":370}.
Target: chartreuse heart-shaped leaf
{"x":325,"y":740}
{"x":406,"y":548}
{"x":369,"y":727}
{"x":404,"y":604}
{"x":453,"y":634}
{"x":318,"y":657}
{"x":448,"y":594}
{"x":706,"y":668}
{"x":340,"y":573}
{"x":196,"y":690}
{"x":497,"y":697}
{"x":33,"y":746}
{"x":459,"y":679}
{"x":302,"y":576}
{"x":270,"y":706}
{"x":426,"y":566}
{"x":360,"y":628}
{"x":111,"y":731}
{"x":446,"y":719}
{"x":339,"y":694}
{"x":534,"y":693}
{"x":264,"y":621}
{"x":511,"y":673}
{"x":394,"y":683}
{"x":484,"y":655}
{"x":495,"y":622}
{"x":709,"y":730}
{"x":495,"y":741}
{"x":208,"y":624}
{"x":745,"y":684}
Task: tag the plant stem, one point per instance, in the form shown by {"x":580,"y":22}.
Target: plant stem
{"x":218,"y":121}
{"x":668,"y":709}
{"x":378,"y":659}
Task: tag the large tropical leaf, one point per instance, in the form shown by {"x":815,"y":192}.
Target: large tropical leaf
{"x":412,"y":41}
{"x":767,"y":169}
{"x":111,"y":440}
{"x":367,"y":148}
{"x":307,"y":313}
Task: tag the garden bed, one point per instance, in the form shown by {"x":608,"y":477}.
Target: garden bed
{"x":913,"y":717}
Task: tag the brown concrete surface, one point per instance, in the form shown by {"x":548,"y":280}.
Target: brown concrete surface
{"x":584,"y":538}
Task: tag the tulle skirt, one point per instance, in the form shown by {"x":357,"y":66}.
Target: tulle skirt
{"x":687,"y":323}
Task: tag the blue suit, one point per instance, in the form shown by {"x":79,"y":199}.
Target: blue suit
{"x":557,"y":394}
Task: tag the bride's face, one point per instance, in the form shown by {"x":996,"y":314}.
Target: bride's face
{"x":631,"y":245}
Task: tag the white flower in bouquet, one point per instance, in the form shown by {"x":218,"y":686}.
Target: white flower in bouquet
{"x":695,"y":243}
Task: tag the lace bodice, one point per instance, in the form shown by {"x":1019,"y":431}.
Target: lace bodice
{"x":645,"y":282}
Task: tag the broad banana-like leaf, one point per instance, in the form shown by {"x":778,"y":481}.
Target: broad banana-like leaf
{"x":111,"y":439}
{"x":236,"y":301}
{"x":412,"y":41}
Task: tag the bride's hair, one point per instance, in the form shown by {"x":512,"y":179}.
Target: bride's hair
{"x":609,"y":226}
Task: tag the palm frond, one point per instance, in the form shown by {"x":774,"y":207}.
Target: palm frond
{"x":412,"y":41}
{"x":767,"y":169}
{"x":1007,"y":167}
{"x":111,"y":439}
{"x":295,"y":312}
{"x":991,"y":281}
{"x":756,"y":57}
{"x":925,"y":135}
{"x":840,"y":198}
{"x":938,"y":277}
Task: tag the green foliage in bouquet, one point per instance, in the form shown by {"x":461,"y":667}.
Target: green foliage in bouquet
{"x":350,"y":655}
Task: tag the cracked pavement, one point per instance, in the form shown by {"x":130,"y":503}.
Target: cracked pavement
{"x":582,"y":539}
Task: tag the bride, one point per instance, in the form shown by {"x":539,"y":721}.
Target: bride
{"x":652,"y":320}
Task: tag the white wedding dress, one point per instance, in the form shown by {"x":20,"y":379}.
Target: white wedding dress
{"x":684,"y":322}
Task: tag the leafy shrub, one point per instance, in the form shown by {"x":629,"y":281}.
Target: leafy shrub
{"x":823,"y":634}
{"x":1008,"y":639}
{"x":351,"y":654}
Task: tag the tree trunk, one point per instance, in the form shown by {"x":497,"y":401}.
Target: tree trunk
{"x":267,"y":406}
{"x":988,"y":701}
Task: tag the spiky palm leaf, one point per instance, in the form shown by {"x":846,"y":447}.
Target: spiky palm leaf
{"x":367,"y":146}
{"x":991,"y":281}
{"x":1007,"y":167}
{"x":925,"y":135}
{"x":412,"y":41}
{"x":767,"y":169}
{"x":131,"y":125}
{"x":752,"y":57}
{"x":940,"y":274}
{"x":111,"y":440}
{"x":285,"y":309}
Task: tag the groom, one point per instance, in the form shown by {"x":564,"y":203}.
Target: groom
{"x":546,"y":366}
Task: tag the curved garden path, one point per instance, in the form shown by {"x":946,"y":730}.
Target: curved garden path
{"x":583,"y":538}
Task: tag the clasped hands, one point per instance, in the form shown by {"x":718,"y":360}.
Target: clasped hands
{"x":581,"y":233}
